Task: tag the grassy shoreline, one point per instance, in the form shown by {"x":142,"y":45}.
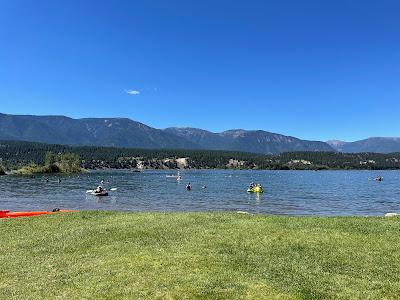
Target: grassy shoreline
{"x":199,"y":255}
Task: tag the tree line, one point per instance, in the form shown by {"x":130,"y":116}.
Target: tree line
{"x":15,"y":154}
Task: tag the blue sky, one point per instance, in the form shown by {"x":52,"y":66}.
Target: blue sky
{"x":311,"y":69}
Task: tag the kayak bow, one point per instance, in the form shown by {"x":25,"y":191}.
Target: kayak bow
{"x":16,"y":214}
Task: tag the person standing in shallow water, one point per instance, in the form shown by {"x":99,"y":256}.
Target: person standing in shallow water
{"x":189,"y":186}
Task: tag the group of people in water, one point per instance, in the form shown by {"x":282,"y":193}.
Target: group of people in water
{"x":255,"y":187}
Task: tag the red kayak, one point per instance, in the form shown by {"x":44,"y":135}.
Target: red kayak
{"x":15,"y":214}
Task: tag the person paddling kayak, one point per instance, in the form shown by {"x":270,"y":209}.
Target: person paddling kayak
{"x":99,"y":189}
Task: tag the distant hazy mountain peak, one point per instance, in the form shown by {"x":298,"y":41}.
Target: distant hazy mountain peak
{"x":336,"y":143}
{"x":372,"y":144}
{"x":388,"y":138}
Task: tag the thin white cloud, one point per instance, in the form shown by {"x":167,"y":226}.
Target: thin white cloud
{"x":132,"y":92}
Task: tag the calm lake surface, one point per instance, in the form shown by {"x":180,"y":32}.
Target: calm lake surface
{"x":286,"y":192}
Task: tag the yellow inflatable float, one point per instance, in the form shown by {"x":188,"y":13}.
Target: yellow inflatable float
{"x":255,"y":189}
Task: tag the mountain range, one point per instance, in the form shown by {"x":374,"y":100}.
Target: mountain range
{"x":373,"y":144}
{"x":123,"y":132}
{"x":257,"y":141}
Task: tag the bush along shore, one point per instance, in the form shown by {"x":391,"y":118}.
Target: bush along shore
{"x":60,"y":163}
{"x":14,"y":155}
{"x":119,"y":255}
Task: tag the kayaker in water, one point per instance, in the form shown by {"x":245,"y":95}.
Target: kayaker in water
{"x":189,"y":186}
{"x":99,"y":189}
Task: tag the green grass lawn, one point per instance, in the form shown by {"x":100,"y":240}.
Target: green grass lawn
{"x":99,"y":255}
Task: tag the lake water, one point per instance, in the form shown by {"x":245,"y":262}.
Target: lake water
{"x":286,"y":192}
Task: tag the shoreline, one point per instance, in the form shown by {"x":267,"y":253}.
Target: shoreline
{"x":88,"y":171}
{"x":388,"y":214}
